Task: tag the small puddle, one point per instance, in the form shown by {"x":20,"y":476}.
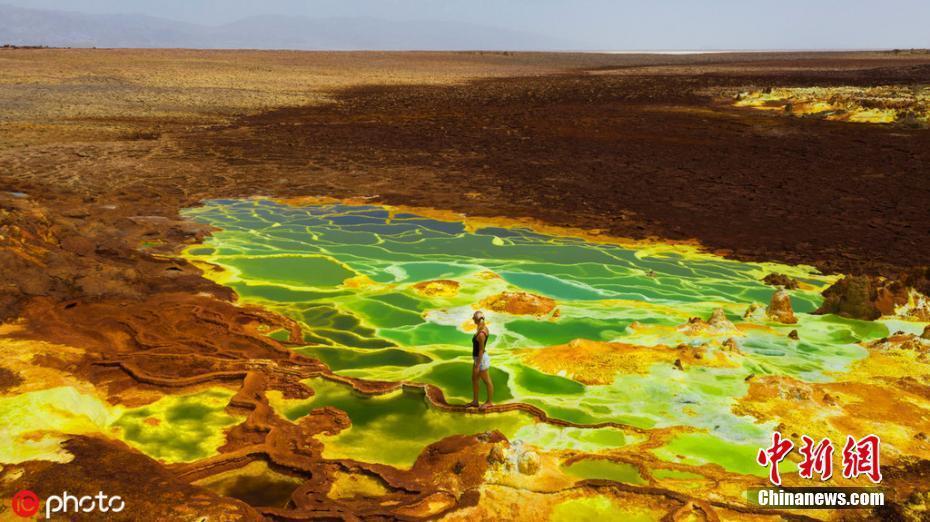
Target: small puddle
{"x":604,"y":469}
{"x":255,"y":484}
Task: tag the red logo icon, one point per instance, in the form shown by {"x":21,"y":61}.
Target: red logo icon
{"x":25,"y":503}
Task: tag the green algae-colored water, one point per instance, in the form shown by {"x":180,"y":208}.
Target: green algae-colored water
{"x":606,"y":470}
{"x":347,"y":274}
{"x":175,"y":428}
{"x":401,"y":421}
{"x":179,"y":428}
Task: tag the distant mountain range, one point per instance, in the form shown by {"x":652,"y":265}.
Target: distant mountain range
{"x":26,"y":27}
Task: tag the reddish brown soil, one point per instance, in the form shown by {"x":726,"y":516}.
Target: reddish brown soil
{"x":634,"y":155}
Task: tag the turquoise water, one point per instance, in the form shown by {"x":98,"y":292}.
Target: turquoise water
{"x":347,"y":274}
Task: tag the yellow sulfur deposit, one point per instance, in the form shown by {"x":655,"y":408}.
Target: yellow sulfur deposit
{"x":908,"y":106}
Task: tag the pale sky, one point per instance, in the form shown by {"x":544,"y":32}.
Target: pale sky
{"x":594,"y":24}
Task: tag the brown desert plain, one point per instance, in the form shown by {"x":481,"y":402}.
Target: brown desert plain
{"x":101,"y":149}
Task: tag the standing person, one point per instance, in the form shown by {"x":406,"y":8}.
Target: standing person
{"x":479,"y":355}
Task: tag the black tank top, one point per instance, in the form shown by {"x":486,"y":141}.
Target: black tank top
{"x":474,"y":342}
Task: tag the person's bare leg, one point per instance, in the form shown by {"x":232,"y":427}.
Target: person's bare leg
{"x":474,"y":388}
{"x":490,"y":385}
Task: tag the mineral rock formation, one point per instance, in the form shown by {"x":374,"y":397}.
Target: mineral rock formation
{"x":718,"y":318}
{"x":863,"y":297}
{"x":917,"y":307}
{"x":497,"y":455}
{"x":519,"y":303}
{"x":754,"y":311}
{"x":718,"y":323}
{"x":437,"y":288}
{"x":903,"y":341}
{"x":780,"y":308}
{"x":781,"y":280}
{"x":528,"y":463}
{"x":926,"y":333}
{"x":731,"y":346}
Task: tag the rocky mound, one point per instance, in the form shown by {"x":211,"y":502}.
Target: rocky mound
{"x":781,"y":280}
{"x":780,"y":308}
{"x":863,"y":297}
{"x":519,"y":303}
{"x":437,"y":288}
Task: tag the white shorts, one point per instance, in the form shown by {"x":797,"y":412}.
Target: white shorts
{"x":485,"y":362}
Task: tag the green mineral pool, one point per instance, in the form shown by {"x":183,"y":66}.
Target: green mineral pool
{"x":175,"y":428}
{"x":349,"y":275}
